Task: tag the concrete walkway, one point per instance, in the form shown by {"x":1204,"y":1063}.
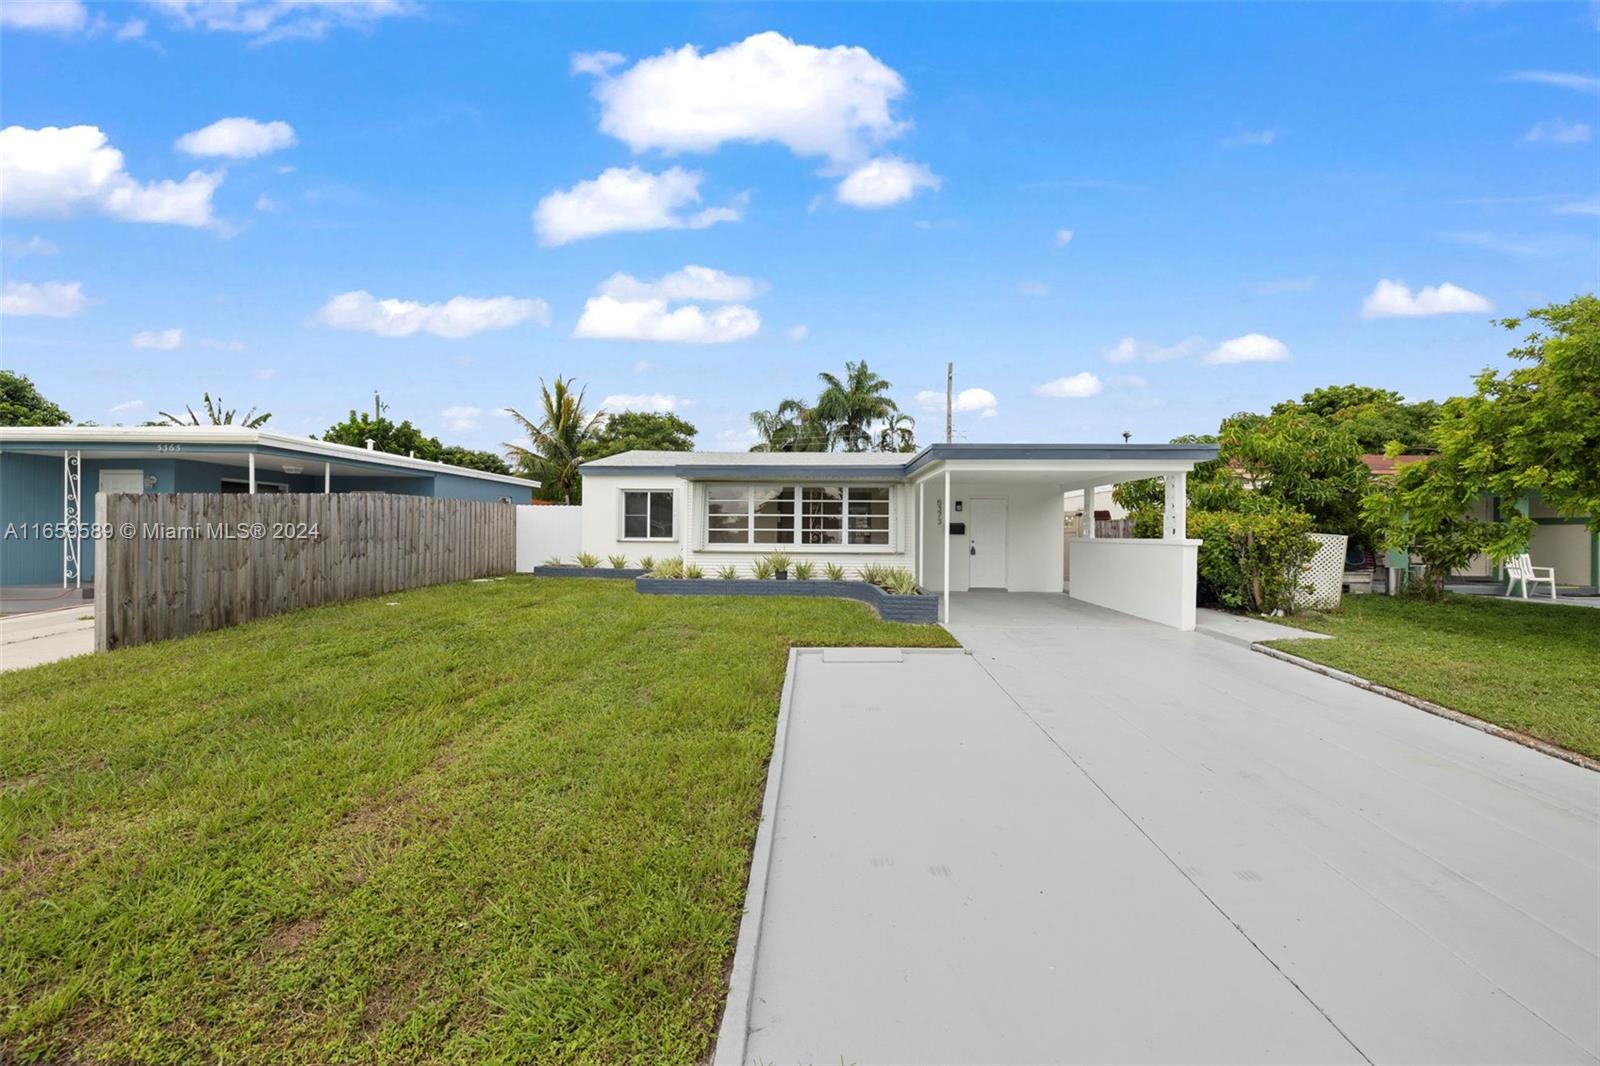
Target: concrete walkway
{"x":1098,"y":840}
{"x":45,"y":636}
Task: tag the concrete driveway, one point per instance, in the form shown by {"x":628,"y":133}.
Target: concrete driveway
{"x":44,"y":636}
{"x":1098,"y":840}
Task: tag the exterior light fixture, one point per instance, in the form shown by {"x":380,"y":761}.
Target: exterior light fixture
{"x":292,"y":468}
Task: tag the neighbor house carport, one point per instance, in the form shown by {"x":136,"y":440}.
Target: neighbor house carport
{"x":990,"y":516}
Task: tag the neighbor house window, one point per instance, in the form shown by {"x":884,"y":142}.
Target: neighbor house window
{"x":647,"y":515}
{"x":819,"y":515}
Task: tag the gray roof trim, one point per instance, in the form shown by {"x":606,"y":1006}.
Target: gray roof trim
{"x":753,"y":471}
{"x":935,"y":453}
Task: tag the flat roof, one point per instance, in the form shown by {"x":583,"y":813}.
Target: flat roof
{"x":228,"y":438}
{"x":878,"y":464}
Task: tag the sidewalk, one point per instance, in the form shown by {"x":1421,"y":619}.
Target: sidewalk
{"x":45,"y":636}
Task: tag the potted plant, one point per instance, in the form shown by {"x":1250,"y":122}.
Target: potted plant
{"x":780,"y":565}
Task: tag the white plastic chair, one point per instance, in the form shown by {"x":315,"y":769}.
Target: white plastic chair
{"x":1521,"y":568}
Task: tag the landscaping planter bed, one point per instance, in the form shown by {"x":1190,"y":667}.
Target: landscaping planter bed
{"x":922,"y":609}
{"x":629,"y":572}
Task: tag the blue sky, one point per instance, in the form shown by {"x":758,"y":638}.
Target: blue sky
{"x":1260,"y":200}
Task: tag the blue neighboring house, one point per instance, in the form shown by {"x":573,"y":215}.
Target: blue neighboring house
{"x":46,"y":471}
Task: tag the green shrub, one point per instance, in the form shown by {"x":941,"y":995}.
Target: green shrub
{"x":668,"y":567}
{"x":648,"y":563}
{"x":803,"y":570}
{"x":693,"y":572}
{"x":874,"y":573}
{"x":902,"y":582}
{"x":779,"y":561}
{"x":554,"y":560}
{"x":763,"y":568}
{"x":618,"y":562}
{"x":834,"y":572}
{"x":588,"y":560}
{"x":728,"y":573}
{"x":1253,"y":561}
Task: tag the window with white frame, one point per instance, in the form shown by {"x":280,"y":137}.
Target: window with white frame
{"x":805,"y":515}
{"x":647,"y":514}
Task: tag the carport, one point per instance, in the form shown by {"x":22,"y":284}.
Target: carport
{"x":999,"y":510}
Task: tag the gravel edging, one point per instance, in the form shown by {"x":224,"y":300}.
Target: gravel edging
{"x":629,"y":572}
{"x":922,"y":609}
{"x":1542,"y":746}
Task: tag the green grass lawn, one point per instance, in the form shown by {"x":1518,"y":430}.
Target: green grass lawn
{"x":504,"y":821}
{"x":1532,"y":668}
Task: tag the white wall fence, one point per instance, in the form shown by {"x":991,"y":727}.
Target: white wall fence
{"x":1152,"y":579}
{"x":547,"y":532}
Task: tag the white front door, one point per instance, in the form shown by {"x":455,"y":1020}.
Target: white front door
{"x":122,"y":481}
{"x":987,"y":538}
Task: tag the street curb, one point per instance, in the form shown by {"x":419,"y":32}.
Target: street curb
{"x":733,"y":1035}
{"x":1542,"y":746}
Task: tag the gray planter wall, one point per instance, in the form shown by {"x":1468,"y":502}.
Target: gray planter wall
{"x":628,"y":572}
{"x":922,"y":609}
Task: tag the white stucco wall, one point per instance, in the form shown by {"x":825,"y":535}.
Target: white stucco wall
{"x":602,"y":517}
{"x":1033,"y":535}
{"x":547,"y":531}
{"x":1153,"y":579}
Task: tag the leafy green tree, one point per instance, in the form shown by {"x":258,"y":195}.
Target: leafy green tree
{"x":1425,"y":507}
{"x":1536,"y":428}
{"x":899,"y":433}
{"x":792,"y":426}
{"x":400,"y":438}
{"x":1301,"y":461}
{"x":849,"y":406}
{"x":472,"y":459}
{"x":216,"y":415}
{"x":1375,"y":417}
{"x":21,"y":403}
{"x":558,"y":439}
{"x":632,"y":431}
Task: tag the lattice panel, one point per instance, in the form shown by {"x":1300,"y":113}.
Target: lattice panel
{"x":1325,"y":572}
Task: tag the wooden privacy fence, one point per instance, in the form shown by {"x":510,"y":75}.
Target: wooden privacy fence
{"x":170,"y":564}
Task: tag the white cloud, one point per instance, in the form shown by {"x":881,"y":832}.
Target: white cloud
{"x":132,"y":30}
{"x":1582,"y":83}
{"x":596,"y":63}
{"x":1132,"y":381}
{"x":459,"y":418}
{"x":798,"y":333}
{"x":977,"y":401}
{"x":1250,"y":348}
{"x":1063,"y":238}
{"x":625,"y":200}
{"x":659,"y":402}
{"x":884,"y":181}
{"x":216,"y":345}
{"x":645,"y":366}
{"x":607,"y":318}
{"x":1393,"y":299}
{"x":1077,"y":387}
{"x":55,"y":172}
{"x":161,"y":340}
{"x":1558,"y":131}
{"x":1250,"y":139}
{"x":130,"y":405}
{"x":267,"y":203}
{"x":237,"y":138}
{"x":266,"y":373}
{"x":1034,"y":288}
{"x":1590,"y":206}
{"x":55,"y":16}
{"x":736,"y":440}
{"x":16,"y":248}
{"x":1282,"y":285}
{"x":266,"y":21}
{"x":49,"y":299}
{"x":1129,"y":349}
{"x":831,"y":102}
{"x":460,"y":316}
{"x":690,"y":283}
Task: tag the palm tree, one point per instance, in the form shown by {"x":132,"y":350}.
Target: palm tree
{"x":850,"y":407}
{"x":557,"y":440}
{"x":899,"y":433}
{"x":790,"y":427}
{"x":216,"y":415}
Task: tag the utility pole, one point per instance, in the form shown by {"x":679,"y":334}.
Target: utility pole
{"x":378,"y":406}
{"x":949,"y":402}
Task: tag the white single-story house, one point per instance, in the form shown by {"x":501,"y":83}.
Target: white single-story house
{"x":1000,"y":505}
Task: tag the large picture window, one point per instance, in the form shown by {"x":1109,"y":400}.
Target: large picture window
{"x":806,"y":515}
{"x":647,"y":515}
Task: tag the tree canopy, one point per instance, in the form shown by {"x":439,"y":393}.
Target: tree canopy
{"x":21,"y":403}
{"x":400,"y":438}
{"x":631,"y":431}
{"x":1374,"y":417}
{"x":216,"y":415}
{"x":853,"y":412}
{"x":473,"y":459}
{"x":556,"y":441}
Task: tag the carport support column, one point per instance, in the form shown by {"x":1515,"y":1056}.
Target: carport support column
{"x":327,"y":478}
{"x":1176,"y":524}
{"x":252,"y":456}
{"x":922,"y":528}
{"x":944,"y":536}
